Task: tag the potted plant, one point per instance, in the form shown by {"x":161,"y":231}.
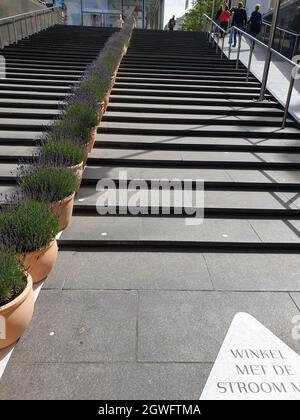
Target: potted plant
{"x":83,"y":106}
{"x":28,"y":229}
{"x":70,"y":128}
{"x":50,"y":184}
{"x":63,"y":152}
{"x":16,"y":299}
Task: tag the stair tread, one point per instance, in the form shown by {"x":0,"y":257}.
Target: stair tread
{"x":177,"y":117}
{"x":247,"y":200}
{"x":192,"y":127}
{"x":156,"y":141}
{"x":122,"y":229}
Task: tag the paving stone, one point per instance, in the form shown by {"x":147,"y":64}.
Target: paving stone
{"x":88,"y":326}
{"x":247,"y":271}
{"x":190,"y":326}
{"x":131,"y":270}
{"x":296,"y":297}
{"x":117,"y":381}
{"x":14,"y":381}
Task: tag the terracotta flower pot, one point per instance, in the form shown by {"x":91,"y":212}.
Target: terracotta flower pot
{"x":64,"y":210}
{"x":78,"y":171}
{"x":91,"y":139}
{"x":39,"y":263}
{"x":106,"y":102}
{"x":16,"y":315}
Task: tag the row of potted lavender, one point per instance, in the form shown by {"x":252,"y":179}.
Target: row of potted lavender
{"x":43,"y":203}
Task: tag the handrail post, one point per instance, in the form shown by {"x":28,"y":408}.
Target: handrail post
{"x":264,"y":35}
{"x":223,"y":40}
{"x":269,"y":52}
{"x":230,"y":43}
{"x":295,"y":45}
{"x":282,"y":41}
{"x":249,"y":61}
{"x":15,"y":30}
{"x":239,"y":50}
{"x":217,"y":44}
{"x":26,"y":29}
{"x":288,"y":99}
{"x":36,"y":23}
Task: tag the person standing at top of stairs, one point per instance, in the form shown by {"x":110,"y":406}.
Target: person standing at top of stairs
{"x":172,"y":23}
{"x":255,"y":22}
{"x":239,"y":19}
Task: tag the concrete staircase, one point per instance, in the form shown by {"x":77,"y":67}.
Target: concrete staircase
{"x":137,"y":307}
{"x":178,"y":111}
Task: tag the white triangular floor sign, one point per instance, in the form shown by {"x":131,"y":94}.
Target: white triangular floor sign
{"x":253,"y":364}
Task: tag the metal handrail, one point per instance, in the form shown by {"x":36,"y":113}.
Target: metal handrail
{"x":280,"y":29}
{"x":282,"y":37}
{"x":253,"y":41}
{"x":15,"y":28}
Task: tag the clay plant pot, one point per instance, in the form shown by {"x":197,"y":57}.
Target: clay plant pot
{"x":16,"y":315}
{"x":64,"y":210}
{"x":78,"y":171}
{"x":101,"y":111}
{"x":106,"y":101}
{"x":91,"y":139}
{"x":39,"y":263}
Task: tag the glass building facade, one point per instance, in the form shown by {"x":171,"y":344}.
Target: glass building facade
{"x":105,"y":13}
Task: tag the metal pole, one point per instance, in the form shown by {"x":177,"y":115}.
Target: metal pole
{"x":264,"y":36}
{"x":295,"y":45}
{"x":288,"y":100}
{"x":223,"y":40}
{"x":249,"y":61}
{"x":212,"y":17}
{"x":36,"y":23}
{"x":269,"y":52}
{"x":230,"y":39}
{"x":81,"y":11}
{"x":26,"y":28}
{"x":15,"y":31}
{"x":143,"y":14}
{"x":282,"y":41}
{"x":239,"y":50}
{"x":217,"y":44}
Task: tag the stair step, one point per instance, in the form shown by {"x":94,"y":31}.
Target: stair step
{"x":196,"y":143}
{"x":140,"y":231}
{"x":139,"y":99}
{"x":192,"y":129}
{"x":182,"y":94}
{"x":222,"y":202}
{"x":187,"y":119}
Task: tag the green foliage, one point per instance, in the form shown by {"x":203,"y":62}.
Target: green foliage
{"x":61,"y":152}
{"x":47,"y":184}
{"x":27,"y":226}
{"x":70,"y":128}
{"x":12,"y":278}
{"x":194,"y":19}
{"x":85,"y":111}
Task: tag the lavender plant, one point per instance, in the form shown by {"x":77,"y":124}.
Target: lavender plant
{"x":26,"y":225}
{"x":12,"y":278}
{"x":45,"y":182}
{"x":60,"y":151}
